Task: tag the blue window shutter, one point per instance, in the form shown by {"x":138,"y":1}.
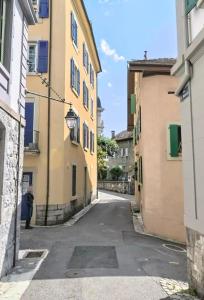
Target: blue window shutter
{"x":72,"y":72}
{"x":87,"y":98}
{"x":78,"y":82}
{"x":44,"y":9}
{"x":29,"y":116}
{"x":72,"y":26}
{"x":84,"y":93}
{"x":42,"y":56}
{"x":84,"y":59}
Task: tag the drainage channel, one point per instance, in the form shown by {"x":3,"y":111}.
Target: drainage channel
{"x":174,"y":248}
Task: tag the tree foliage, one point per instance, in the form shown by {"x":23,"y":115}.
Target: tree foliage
{"x":116,"y":173}
{"x":106,"y":147}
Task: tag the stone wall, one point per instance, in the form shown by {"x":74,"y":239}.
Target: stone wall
{"x":59,"y":213}
{"x":195,"y":258}
{"x":123,"y":187}
{"x":9,"y":157}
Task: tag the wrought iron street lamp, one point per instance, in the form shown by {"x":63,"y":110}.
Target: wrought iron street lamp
{"x":71,"y":118}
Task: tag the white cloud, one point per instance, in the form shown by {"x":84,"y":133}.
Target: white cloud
{"x":111,"y":52}
{"x":110,"y":85}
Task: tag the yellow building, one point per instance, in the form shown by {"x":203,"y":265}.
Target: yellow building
{"x":155,"y":118}
{"x":61,"y":164}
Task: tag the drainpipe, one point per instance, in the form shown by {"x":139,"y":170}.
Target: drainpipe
{"x":185,"y":79}
{"x":49,"y":118}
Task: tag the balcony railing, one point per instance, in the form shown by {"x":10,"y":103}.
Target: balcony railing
{"x":31,"y":142}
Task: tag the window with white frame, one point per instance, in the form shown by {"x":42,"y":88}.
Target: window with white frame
{"x":85,"y":58}
{"x":85,"y":95}
{"x":32,"y":57}
{"x":75,"y":132}
{"x":75,"y":77}
{"x":74,"y":29}
{"x":92,"y":142}
{"x":91,"y":75}
{"x":92,"y":108}
{"x":5,"y":32}
{"x":85,"y":136}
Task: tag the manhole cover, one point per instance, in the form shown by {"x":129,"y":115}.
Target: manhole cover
{"x":174,"y":247}
{"x":34,"y":254}
{"x":85,"y":257}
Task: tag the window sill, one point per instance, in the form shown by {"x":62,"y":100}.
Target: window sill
{"x":170,"y":158}
{"x":75,"y":143}
{"x":75,"y":92}
{"x":75,"y":47}
{"x":86,"y":108}
{"x":32,"y":73}
{"x":86,"y":71}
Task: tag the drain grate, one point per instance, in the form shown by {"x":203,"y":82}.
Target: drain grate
{"x":34,"y":254}
{"x":174,"y":247}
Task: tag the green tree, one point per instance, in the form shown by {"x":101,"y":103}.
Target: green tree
{"x":116,"y":173}
{"x":106,"y":147}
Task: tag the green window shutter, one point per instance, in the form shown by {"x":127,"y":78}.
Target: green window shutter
{"x":174,"y":140}
{"x":133,"y":104}
{"x":190,"y":4}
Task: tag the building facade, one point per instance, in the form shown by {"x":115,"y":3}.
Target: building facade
{"x":154,"y":116}
{"x":190,"y":70}
{"x":60,"y":163}
{"x":100,"y":123}
{"x":125,"y":156}
{"x":14,"y":19}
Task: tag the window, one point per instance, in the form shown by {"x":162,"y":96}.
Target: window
{"x":74,"y":180}
{"x":92,"y":108}
{"x":92,"y":142}
{"x":140,"y":171}
{"x":29,"y":116}
{"x":126,"y":152}
{"x":85,"y":95}
{"x":175,"y":138}
{"x":91,"y":75}
{"x":38,"y":57}
{"x":85,"y":136}
{"x":189,"y":5}
{"x":75,"y":78}
{"x":32,"y":58}
{"x":5,"y":32}
{"x":74,"y":30}
{"x":75,"y":132}
{"x":85,"y":58}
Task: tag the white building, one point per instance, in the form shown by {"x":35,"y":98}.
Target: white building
{"x":190,"y":69}
{"x":15,"y":16}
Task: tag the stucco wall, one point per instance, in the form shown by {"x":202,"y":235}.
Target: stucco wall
{"x":63,"y":153}
{"x":162,"y":189}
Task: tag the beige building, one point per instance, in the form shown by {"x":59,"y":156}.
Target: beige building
{"x":60,"y":163}
{"x":154,"y":117}
{"x":190,"y":70}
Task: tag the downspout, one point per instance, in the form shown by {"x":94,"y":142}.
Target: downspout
{"x":49,"y":117}
{"x":185,"y":79}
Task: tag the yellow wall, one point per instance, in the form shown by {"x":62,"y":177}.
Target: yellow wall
{"x":63,"y":153}
{"x":161,"y":195}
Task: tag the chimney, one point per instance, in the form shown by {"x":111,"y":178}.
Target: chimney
{"x":112,"y":134}
{"x":145,"y":55}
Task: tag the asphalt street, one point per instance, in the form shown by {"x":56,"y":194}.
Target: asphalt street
{"x":102,"y":258}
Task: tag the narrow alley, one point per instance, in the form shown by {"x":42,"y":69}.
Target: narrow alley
{"x":101,"y":257}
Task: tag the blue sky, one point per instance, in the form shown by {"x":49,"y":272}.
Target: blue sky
{"x":123,"y":30}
